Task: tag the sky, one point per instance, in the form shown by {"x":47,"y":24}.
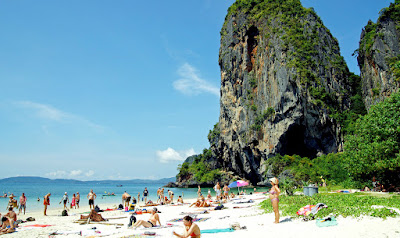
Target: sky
{"x":102,"y":89}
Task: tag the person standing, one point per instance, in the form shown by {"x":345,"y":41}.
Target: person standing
{"x":198,"y":191}
{"x":274,"y":196}
{"x":138,"y":197}
{"x":73,"y":201}
{"x":65,"y":200}
{"x":217,"y":189}
{"x":126,"y":198}
{"x":22,"y":203}
{"x":226,"y":191}
{"x":46,"y":202}
{"x":171,"y":196}
{"x":145,"y":194}
{"x":78,"y":199}
{"x":91,"y":196}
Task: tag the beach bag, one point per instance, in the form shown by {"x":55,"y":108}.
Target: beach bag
{"x":219,"y":207}
{"x":121,"y":206}
{"x":132,"y":220}
{"x":64,"y":213}
{"x":30,"y":219}
{"x":97,"y":208}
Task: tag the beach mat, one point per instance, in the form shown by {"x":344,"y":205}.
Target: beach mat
{"x":194,"y":220}
{"x":217,"y":230}
{"x":325,"y":223}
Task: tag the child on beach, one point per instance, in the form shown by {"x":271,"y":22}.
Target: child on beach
{"x":73,"y":201}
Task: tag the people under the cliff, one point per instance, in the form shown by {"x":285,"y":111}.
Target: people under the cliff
{"x":191,"y":229}
{"x":152,"y":222}
{"x":226,"y":191}
{"x":274,"y":196}
{"x":198,"y":191}
{"x":217,"y":189}
{"x":180,"y":200}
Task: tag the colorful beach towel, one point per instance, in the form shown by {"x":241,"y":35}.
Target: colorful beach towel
{"x":310,"y":209}
{"x":195,"y":220}
{"x":217,"y":230}
{"x":37,"y":225}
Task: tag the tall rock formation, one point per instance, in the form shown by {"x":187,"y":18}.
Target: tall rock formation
{"x":282,"y":78}
{"x":379,"y":56}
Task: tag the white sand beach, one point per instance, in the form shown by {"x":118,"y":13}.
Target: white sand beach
{"x":250,"y":216}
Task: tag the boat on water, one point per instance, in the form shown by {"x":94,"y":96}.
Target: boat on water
{"x":119,"y":185}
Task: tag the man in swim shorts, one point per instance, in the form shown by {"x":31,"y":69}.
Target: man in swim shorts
{"x":126,"y":198}
{"x":91,"y":196}
{"x":77,"y":199}
{"x":145,"y":194}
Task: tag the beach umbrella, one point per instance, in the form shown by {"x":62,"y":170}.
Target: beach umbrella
{"x":238,"y":183}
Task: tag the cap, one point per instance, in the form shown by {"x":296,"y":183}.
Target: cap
{"x":65,"y":192}
{"x":155,"y":209}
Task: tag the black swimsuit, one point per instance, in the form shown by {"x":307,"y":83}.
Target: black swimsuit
{"x":152,"y":225}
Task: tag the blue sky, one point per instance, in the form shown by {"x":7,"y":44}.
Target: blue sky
{"x":101,"y":89}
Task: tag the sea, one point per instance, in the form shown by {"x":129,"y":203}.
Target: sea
{"x":35,"y":193}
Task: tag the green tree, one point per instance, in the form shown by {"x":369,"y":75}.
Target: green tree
{"x":373,"y":149}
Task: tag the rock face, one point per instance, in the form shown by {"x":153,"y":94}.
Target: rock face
{"x":379,"y":55}
{"x":281,"y":78}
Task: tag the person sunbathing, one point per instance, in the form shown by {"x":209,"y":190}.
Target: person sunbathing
{"x":180,"y":200}
{"x":152,"y":222}
{"x":196,"y":204}
{"x":7,"y":226}
{"x":191,"y":229}
{"x":150,"y":202}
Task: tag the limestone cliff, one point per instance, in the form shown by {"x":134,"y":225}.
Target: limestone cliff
{"x":379,"y":55}
{"x":282,"y":77}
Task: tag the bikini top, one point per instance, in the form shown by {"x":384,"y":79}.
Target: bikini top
{"x":273,"y":192}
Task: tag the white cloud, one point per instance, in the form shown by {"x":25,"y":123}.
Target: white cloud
{"x":51,"y":113}
{"x":75,"y":173}
{"x":191,"y":83}
{"x":90,"y":173}
{"x":170,"y":154}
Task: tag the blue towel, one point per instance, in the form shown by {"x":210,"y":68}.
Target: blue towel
{"x":217,"y":230}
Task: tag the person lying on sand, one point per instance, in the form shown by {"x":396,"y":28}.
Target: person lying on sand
{"x":8,"y":225}
{"x":152,"y":222}
{"x":191,"y":229}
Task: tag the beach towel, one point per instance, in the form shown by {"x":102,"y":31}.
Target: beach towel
{"x":217,"y":230}
{"x":330,"y":221}
{"x":194,"y":220}
{"x":248,"y":201}
{"x":310,"y":209}
{"x":37,"y":225}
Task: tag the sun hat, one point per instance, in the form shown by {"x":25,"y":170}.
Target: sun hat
{"x":274,"y":180}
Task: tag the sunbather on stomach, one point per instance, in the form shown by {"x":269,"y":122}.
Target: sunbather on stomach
{"x":191,"y":229}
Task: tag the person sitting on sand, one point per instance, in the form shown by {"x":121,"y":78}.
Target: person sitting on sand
{"x":191,"y":229}
{"x":149,"y":202}
{"x":180,"y":200}
{"x":11,"y":214}
{"x":232,"y":195}
{"x":152,"y":222}
{"x":7,"y":226}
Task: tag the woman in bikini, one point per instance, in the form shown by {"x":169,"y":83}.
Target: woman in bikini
{"x":191,"y":229}
{"x":274,"y":196}
{"x":152,"y":222}
{"x":46,"y":202}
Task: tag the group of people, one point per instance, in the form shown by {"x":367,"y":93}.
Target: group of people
{"x":191,"y":228}
{"x":74,"y":201}
{"x":161,"y":199}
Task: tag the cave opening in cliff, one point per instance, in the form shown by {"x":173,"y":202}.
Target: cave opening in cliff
{"x":252,"y":34}
{"x":294,"y":143}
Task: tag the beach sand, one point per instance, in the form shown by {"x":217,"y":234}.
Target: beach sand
{"x":257,"y":223}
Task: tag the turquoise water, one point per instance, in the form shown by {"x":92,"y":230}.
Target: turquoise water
{"x":36,"y":190}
